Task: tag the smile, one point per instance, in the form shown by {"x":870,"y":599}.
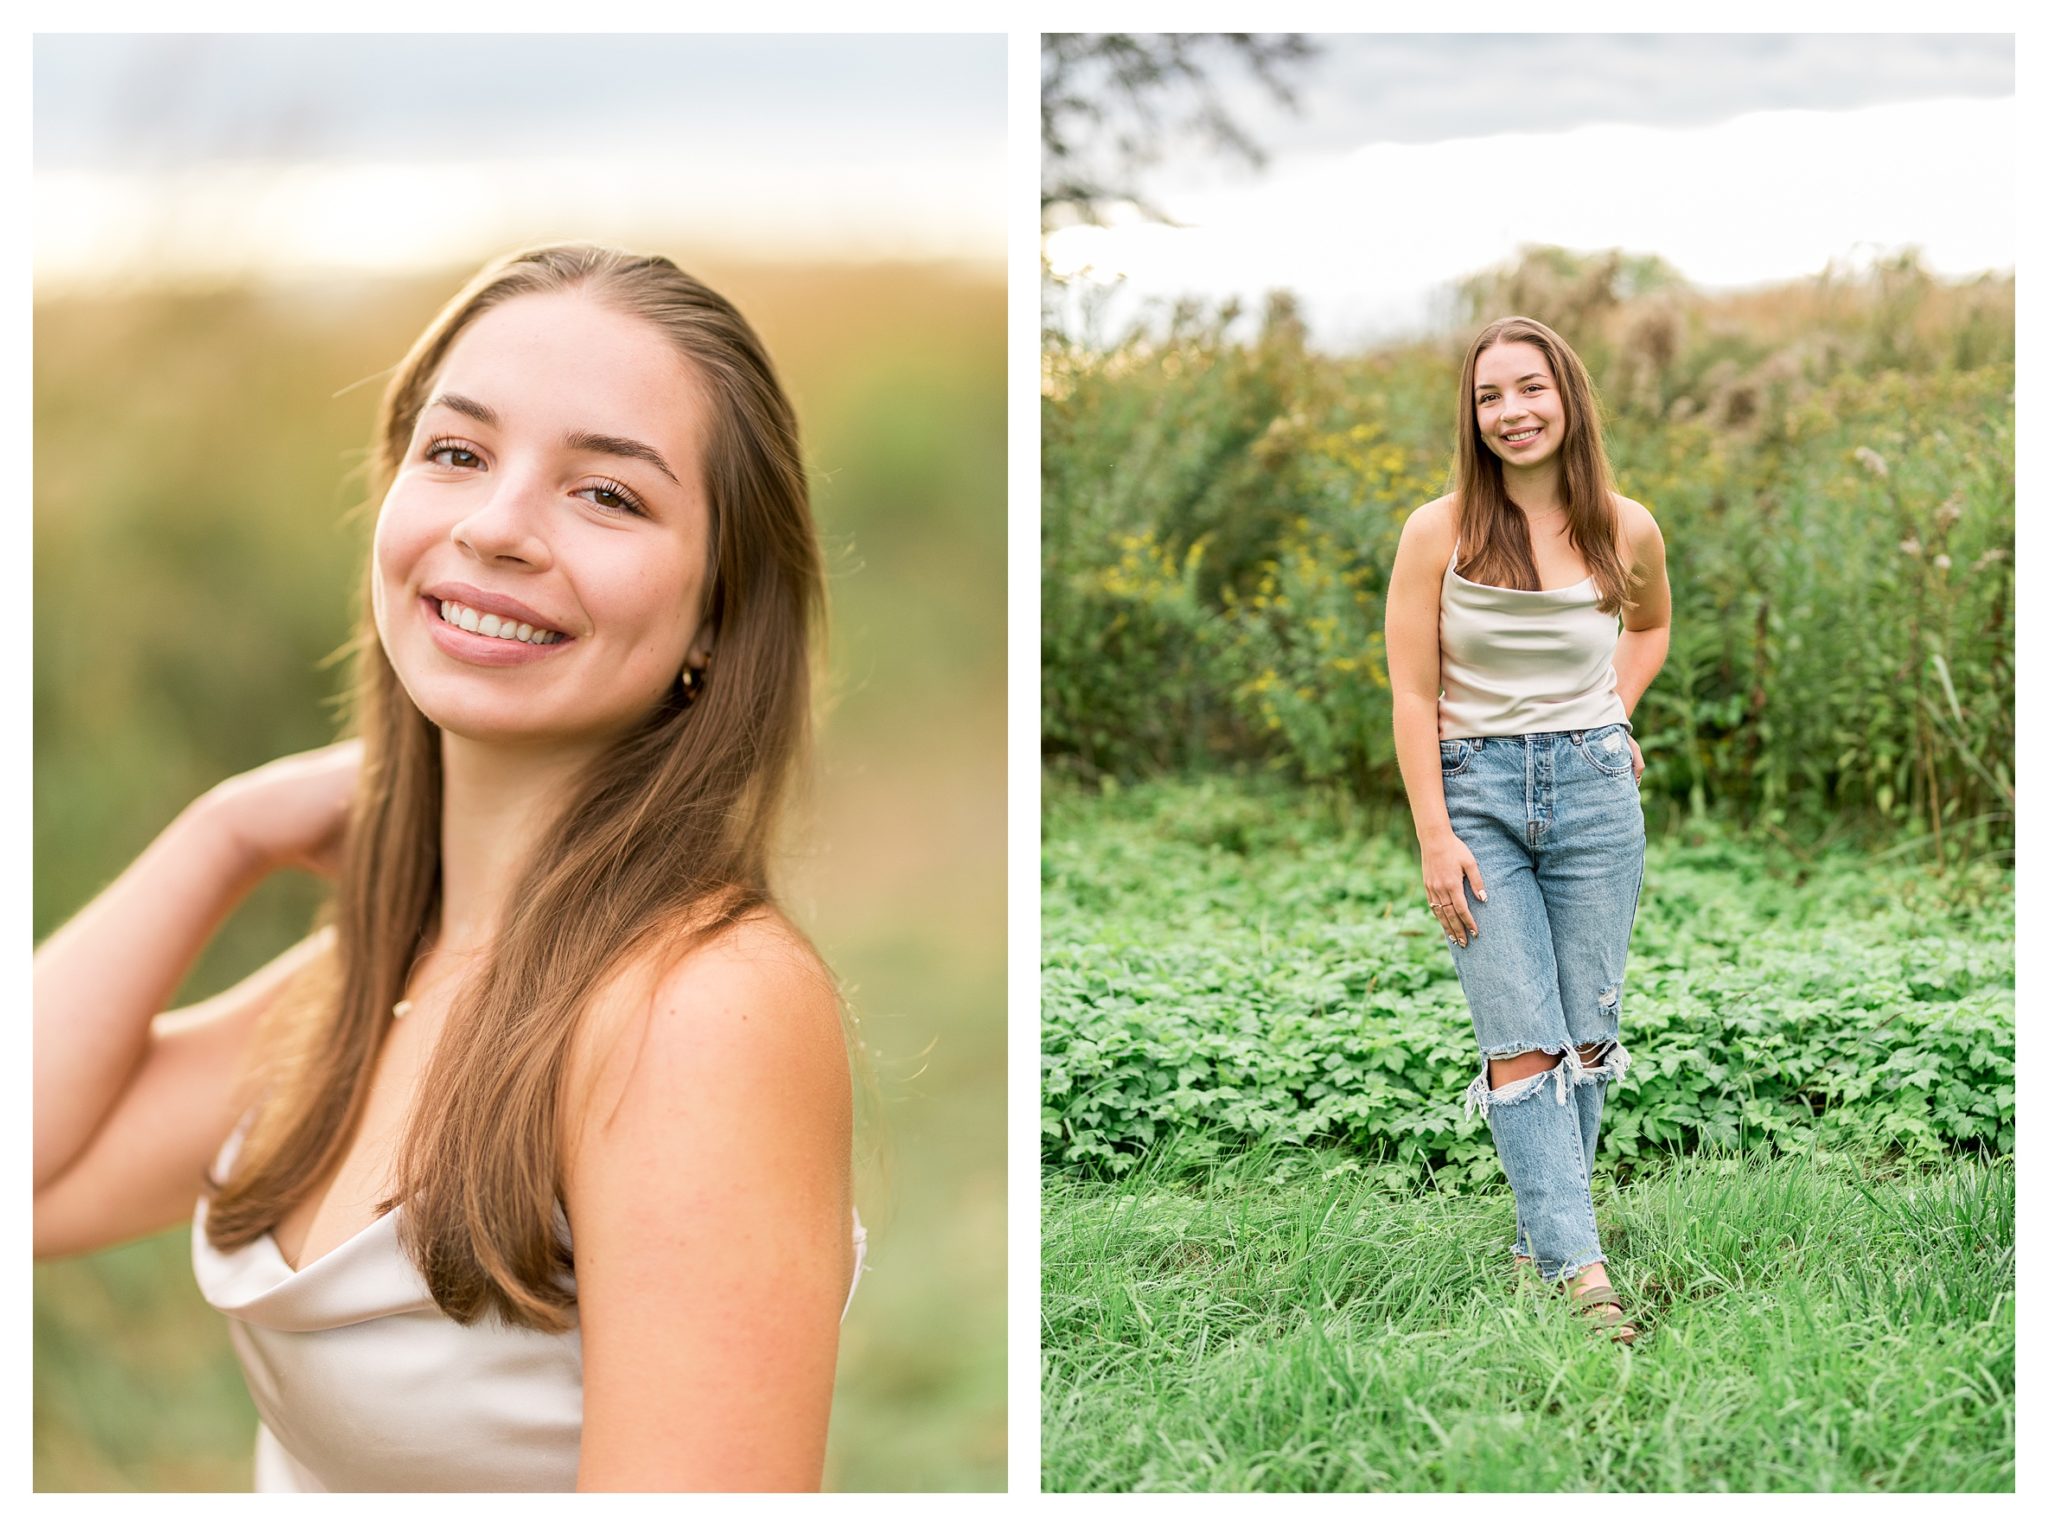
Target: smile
{"x":1521,"y":436}
{"x":494,"y":627}
{"x":463,"y":636}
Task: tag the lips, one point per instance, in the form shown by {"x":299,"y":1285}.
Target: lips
{"x":475,"y":649}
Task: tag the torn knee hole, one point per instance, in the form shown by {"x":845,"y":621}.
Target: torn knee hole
{"x":1517,"y":1082}
{"x":1506,"y":1069}
{"x":1604,"y":1060}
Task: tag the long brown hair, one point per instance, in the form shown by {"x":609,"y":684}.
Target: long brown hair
{"x":1493,"y":538}
{"x":665,"y":841}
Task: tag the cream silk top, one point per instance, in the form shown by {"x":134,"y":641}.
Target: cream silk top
{"x":362,"y":1383}
{"x":1516,"y":661}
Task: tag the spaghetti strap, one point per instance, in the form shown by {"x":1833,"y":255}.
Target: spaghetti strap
{"x":1454,"y":553}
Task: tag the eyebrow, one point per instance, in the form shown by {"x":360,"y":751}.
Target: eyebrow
{"x":1530,"y":376}
{"x":576,"y":439}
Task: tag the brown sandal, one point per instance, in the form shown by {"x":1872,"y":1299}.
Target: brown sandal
{"x":1602,"y":1308}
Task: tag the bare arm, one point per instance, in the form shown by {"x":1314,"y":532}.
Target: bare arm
{"x":145,"y":1165}
{"x":107,"y":973}
{"x":714,"y":1155}
{"x":1414,"y":662}
{"x":1414,"y":673}
{"x":1646,"y":629}
{"x":131,"y":1101}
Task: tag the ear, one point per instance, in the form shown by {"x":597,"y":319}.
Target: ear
{"x":699,"y":651}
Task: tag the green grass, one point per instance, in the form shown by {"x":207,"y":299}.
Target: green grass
{"x":1276,"y":1324}
{"x":1276,"y":1254}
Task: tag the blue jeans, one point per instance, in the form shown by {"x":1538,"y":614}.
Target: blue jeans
{"x":1556,"y":825}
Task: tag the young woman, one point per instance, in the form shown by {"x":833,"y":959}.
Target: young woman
{"x":530,"y":1168}
{"x":1508,"y":671}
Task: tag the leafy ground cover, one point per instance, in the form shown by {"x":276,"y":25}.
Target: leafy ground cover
{"x":1257,"y":965}
{"x":1275,"y":1253}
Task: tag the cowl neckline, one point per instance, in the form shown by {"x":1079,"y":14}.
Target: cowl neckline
{"x":367,"y":1276}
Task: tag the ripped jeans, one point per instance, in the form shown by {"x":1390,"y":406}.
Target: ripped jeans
{"x":1556,"y":824}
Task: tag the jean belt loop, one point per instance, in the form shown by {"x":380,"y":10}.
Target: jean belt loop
{"x":1578,"y":736}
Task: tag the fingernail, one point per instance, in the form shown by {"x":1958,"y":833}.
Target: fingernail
{"x":1482,"y":895}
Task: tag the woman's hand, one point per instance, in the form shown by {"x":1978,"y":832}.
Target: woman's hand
{"x":1638,"y":754}
{"x":1446,"y":864}
{"x":291,"y":813}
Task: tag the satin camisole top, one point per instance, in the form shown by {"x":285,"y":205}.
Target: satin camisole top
{"x":362,"y":1383}
{"x":1515,"y":661}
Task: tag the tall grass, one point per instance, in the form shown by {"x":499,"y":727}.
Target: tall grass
{"x":1831,"y":464}
{"x":1272,"y":1324}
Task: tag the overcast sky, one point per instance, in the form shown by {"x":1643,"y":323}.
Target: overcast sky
{"x":382,"y":150}
{"x":1395,"y":88}
{"x":1418,"y":159}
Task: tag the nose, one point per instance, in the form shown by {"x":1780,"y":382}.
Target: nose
{"x":508,"y":525}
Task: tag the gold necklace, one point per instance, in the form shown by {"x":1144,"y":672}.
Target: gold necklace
{"x":404,"y":1005}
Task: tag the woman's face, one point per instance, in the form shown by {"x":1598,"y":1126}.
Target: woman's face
{"x":1515,"y":400}
{"x":553,"y":485}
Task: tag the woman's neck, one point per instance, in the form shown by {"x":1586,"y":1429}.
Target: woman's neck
{"x":496,"y":803}
{"x":1538,"y":491}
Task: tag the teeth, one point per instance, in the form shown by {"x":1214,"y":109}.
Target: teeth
{"x":1520,"y":434}
{"x":498,"y":627}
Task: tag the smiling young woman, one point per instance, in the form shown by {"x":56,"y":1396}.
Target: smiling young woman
{"x":530,"y":1168}
{"x":1527,"y":612}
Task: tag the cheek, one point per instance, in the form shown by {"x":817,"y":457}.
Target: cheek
{"x":395,"y":549}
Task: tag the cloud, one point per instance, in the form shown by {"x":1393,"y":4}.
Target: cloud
{"x":1412,"y":88}
{"x":1367,"y":238}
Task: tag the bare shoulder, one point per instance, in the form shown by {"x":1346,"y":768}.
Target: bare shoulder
{"x":760,"y":970}
{"x":1437,"y":517}
{"x":1640,"y":537}
{"x":750,"y":1012}
{"x":1430,"y":531}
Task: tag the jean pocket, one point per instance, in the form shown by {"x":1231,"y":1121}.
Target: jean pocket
{"x":1455,"y":756}
{"x":1606,"y":748}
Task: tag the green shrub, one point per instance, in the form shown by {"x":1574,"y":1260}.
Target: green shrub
{"x":1831,"y":466}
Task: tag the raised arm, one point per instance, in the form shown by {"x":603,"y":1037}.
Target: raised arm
{"x":130,"y":1099}
{"x":710,"y":1201}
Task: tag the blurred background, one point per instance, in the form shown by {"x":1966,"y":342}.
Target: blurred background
{"x":235,"y":238}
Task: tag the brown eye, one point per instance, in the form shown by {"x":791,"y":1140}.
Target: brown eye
{"x":623,"y":501}
{"x":449,"y":448}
